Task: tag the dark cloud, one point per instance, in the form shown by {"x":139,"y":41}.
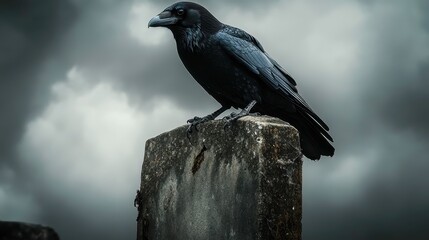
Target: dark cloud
{"x":34,"y":54}
{"x":377,"y":107}
{"x":388,"y":133}
{"x":100,"y":41}
{"x":392,"y":204}
{"x":25,"y":44}
{"x":397,"y":69}
{"x":404,"y":108}
{"x":108,"y":221}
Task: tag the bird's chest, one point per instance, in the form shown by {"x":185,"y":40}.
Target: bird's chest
{"x":220,"y":75}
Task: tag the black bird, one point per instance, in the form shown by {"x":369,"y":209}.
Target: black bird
{"x":233,"y":67}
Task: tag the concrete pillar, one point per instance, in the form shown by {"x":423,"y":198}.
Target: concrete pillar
{"x":242,"y":182}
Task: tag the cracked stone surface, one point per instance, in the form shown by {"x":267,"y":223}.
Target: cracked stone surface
{"x":243,"y":182}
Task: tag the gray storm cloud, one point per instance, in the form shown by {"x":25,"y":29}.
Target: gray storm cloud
{"x":78,"y":76}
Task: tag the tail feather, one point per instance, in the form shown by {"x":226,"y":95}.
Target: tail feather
{"x":314,"y":138}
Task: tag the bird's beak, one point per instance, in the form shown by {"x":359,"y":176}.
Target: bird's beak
{"x":163,"y":19}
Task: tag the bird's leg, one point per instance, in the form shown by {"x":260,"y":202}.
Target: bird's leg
{"x":194,"y":122}
{"x":244,"y":112}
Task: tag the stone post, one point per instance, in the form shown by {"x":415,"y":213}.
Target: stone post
{"x":26,"y":231}
{"x":242,"y":182}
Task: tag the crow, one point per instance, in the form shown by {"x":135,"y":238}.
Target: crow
{"x":233,"y":67}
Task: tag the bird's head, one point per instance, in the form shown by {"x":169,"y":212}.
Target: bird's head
{"x":183,"y":15}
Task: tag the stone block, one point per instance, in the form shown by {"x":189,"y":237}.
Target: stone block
{"x":242,"y":182}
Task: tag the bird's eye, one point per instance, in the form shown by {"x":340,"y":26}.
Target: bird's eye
{"x":180,"y":12}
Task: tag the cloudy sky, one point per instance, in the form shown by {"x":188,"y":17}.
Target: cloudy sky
{"x":83,"y":84}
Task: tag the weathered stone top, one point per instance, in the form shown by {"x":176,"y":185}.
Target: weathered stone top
{"x":251,"y":133}
{"x":254,"y":126}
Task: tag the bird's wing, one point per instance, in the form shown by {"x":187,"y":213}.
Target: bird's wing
{"x":236,"y":32}
{"x":257,"y":61}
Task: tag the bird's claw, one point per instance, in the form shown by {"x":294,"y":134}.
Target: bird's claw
{"x":193,"y":120}
{"x":235,"y":116}
{"x":193,"y":124}
{"x":189,"y":132}
{"x":227,"y":124}
{"x":229,"y":117}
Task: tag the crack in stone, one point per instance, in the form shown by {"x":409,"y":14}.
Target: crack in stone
{"x":198,"y":160}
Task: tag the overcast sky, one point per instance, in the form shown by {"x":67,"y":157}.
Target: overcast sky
{"x":83,"y":84}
